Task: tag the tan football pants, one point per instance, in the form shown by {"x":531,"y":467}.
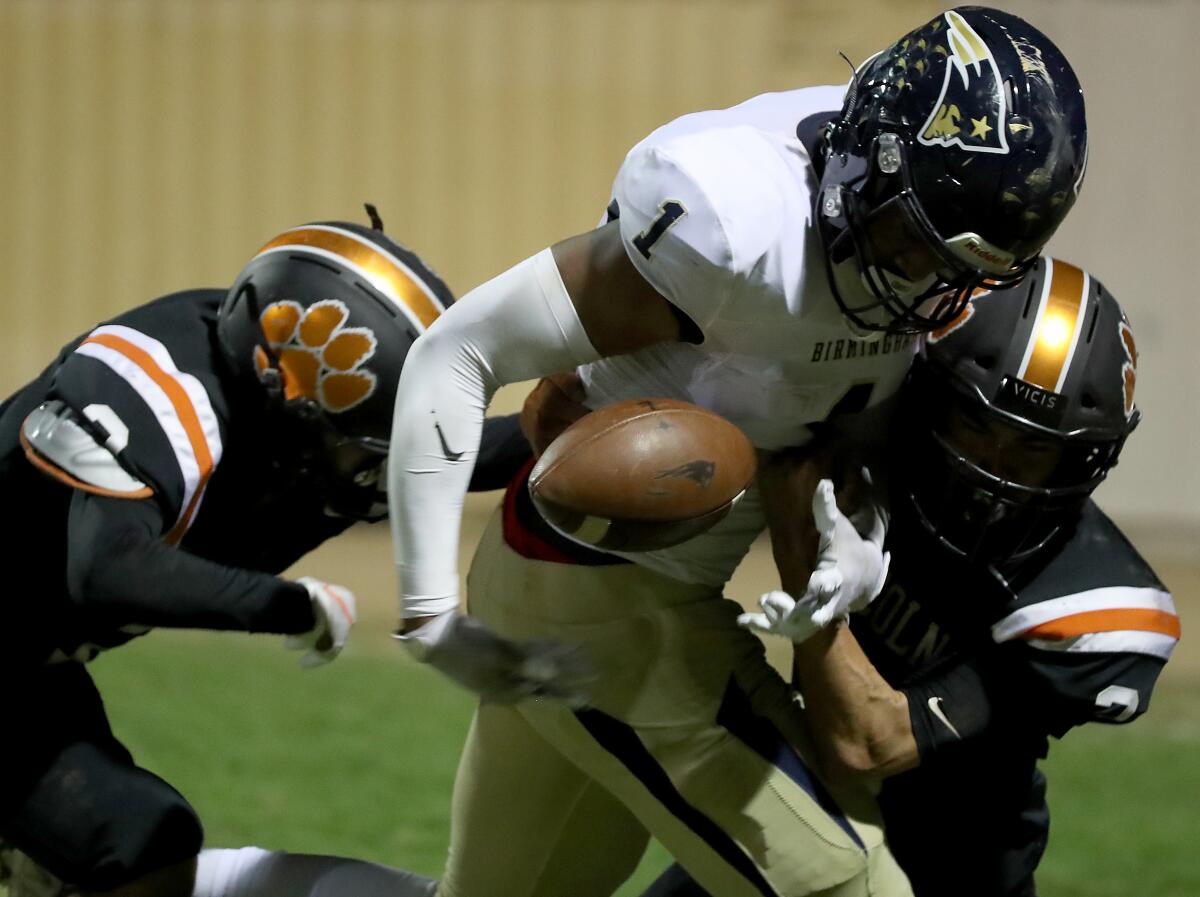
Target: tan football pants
{"x":690,"y":738}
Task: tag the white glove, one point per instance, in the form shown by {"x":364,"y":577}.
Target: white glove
{"x":850,"y":573}
{"x":851,"y":568}
{"x":334,"y":610}
{"x":783,"y":615}
{"x":496,"y":668}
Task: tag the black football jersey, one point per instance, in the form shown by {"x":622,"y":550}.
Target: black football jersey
{"x":224,"y":495}
{"x":993,"y":664}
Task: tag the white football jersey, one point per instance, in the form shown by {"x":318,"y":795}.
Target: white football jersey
{"x":716,"y":211}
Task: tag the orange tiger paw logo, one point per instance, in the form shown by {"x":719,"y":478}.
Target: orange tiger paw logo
{"x":320,"y":357}
{"x":1129,"y":366}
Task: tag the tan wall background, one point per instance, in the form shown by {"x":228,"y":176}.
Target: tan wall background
{"x":1136,"y":227}
{"x":150,"y":145}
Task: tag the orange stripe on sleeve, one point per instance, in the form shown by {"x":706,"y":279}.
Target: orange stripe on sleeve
{"x":186,"y":412}
{"x":1121,"y":620}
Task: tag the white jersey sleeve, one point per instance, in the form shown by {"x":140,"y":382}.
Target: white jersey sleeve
{"x":673,"y":234}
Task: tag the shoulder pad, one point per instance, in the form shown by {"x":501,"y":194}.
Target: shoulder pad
{"x":1096,"y":555}
{"x":81,"y":449}
{"x":698,"y":213}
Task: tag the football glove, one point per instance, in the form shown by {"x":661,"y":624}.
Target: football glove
{"x":783,"y":615}
{"x":851,"y":563}
{"x":496,"y":668}
{"x":334,"y":611}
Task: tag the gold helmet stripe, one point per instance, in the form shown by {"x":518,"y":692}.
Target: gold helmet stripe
{"x":380,"y":268}
{"x":1056,"y":329}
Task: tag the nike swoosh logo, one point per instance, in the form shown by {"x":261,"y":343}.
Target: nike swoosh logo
{"x":935,"y":707}
{"x":450,"y":456}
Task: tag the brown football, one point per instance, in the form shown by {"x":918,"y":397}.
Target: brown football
{"x":642,"y":474}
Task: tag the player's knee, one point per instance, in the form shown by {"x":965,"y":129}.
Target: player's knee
{"x":152,"y":851}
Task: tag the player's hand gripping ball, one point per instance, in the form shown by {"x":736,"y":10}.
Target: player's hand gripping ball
{"x":642,"y":474}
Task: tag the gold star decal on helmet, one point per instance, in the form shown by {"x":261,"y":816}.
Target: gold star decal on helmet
{"x":981,"y":127}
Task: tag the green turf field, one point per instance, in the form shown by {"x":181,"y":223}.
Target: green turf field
{"x":358,"y":758}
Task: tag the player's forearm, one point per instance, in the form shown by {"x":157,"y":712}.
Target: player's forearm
{"x":860,"y":724}
{"x":517,"y":326}
{"x":120,"y":572}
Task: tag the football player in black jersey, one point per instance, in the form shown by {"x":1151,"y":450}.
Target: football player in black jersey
{"x":1014,"y":609}
{"x":166,"y":467}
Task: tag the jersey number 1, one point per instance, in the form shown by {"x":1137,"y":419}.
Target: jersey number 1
{"x":670,"y":211}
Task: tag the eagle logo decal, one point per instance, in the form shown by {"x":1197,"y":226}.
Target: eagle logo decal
{"x":971,"y":112}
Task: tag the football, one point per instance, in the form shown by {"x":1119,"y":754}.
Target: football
{"x":642,"y":474}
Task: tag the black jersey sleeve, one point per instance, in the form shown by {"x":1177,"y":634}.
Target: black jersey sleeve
{"x":1082,"y":639}
{"x":1014,"y":692}
{"x":147,"y":376}
{"x":1091,"y":629}
{"x":1077,"y":688}
{"x":121,"y":573}
{"x":502,"y":452}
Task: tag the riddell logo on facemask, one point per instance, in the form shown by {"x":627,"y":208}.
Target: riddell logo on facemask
{"x":321,"y":358}
{"x":976,"y":249}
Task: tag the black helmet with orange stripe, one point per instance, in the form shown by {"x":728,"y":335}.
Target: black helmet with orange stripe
{"x":957,"y":153}
{"x":321,"y":319}
{"x":1024,"y":401}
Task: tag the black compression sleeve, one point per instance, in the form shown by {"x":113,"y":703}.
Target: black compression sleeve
{"x":951,"y":707}
{"x":502,"y":451}
{"x":120,"y":572}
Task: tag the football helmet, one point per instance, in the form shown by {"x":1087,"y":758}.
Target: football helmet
{"x":957,"y":153}
{"x":322,"y":318}
{"x":1023,"y":403}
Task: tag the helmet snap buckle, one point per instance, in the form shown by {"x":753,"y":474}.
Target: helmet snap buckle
{"x":888,"y":155}
{"x":831,"y":202}
{"x":272,"y":380}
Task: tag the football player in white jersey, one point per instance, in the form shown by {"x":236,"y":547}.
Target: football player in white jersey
{"x":770,"y":262}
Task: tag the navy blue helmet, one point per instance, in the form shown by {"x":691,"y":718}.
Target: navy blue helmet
{"x":957,"y":153}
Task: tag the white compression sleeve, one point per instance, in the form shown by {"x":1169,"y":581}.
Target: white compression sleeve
{"x":517,"y":326}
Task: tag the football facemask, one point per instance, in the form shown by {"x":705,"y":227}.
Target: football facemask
{"x":889,"y":268}
{"x":993,"y":490}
